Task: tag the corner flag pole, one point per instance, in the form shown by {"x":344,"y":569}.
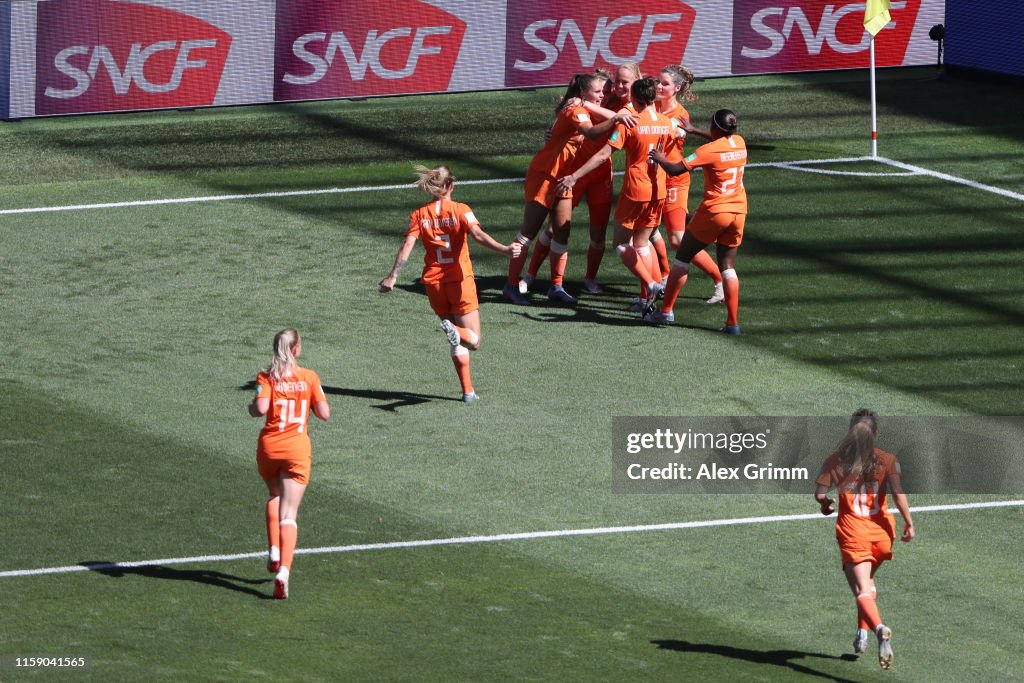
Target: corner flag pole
{"x":874,"y":106}
{"x":876,"y":16}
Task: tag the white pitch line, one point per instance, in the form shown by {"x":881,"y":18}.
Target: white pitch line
{"x":790,"y":165}
{"x":497,"y":538}
{"x":953,"y":179}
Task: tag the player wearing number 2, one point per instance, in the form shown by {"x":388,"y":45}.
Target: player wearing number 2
{"x":862,"y":475}
{"x":442,"y":225}
{"x":285,"y":393}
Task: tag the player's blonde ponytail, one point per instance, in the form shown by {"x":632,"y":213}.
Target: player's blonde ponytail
{"x":283,"y":364}
{"x":436,"y":181}
{"x":858,"y":450}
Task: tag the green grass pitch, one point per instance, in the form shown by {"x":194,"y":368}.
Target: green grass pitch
{"x":131,"y":332}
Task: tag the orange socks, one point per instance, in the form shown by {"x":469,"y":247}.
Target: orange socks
{"x":289,"y":537}
{"x":635,"y":260}
{"x":661,"y":251}
{"x":460,"y":358}
{"x":867,"y":611}
{"x":676,"y":280}
{"x":704,"y":261}
{"x":540,"y":252}
{"x":515,"y":265}
{"x":559,"y":257}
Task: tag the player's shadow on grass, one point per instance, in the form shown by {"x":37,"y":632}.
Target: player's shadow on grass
{"x":784,"y":658}
{"x":393,"y":400}
{"x":204,"y":576}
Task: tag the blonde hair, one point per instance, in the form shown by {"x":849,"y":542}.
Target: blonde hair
{"x":436,"y":181}
{"x":683,"y":78}
{"x":283,"y":364}
{"x":631,"y":66}
{"x":858,"y":450}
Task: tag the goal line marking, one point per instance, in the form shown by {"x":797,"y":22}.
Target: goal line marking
{"x":497,"y":538}
{"x":788,"y":165}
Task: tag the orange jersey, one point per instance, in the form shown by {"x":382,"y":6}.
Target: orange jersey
{"x":286,"y":432}
{"x":442,"y":226}
{"x":722,"y":161}
{"x":644,"y":180}
{"x":674,"y":151}
{"x":863,"y":513}
{"x":589,"y":147}
{"x":554,"y":157}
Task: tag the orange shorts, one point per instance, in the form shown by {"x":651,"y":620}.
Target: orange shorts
{"x":543,"y":189}
{"x":453,"y":298}
{"x":271,"y":469}
{"x":857,"y":550}
{"x":717,"y":228}
{"x":596,"y":186}
{"x":675,"y":208}
{"x":638,"y":215}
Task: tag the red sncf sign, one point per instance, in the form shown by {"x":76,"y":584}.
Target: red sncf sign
{"x":547,"y":42}
{"x":771,"y":36}
{"x":334,"y":49}
{"x":124,"y":55}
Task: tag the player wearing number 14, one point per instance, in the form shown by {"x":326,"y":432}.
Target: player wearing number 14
{"x":285,"y":393}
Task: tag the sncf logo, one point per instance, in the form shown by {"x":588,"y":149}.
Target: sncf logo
{"x":548,"y":42}
{"x":124,"y":56}
{"x":324,"y":50}
{"x":776,"y":35}
{"x":134,"y":71}
{"x":308,"y":49}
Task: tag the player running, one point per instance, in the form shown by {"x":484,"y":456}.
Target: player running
{"x":719,"y":219}
{"x":862,"y":475}
{"x":442,"y":226}
{"x":285,"y":393}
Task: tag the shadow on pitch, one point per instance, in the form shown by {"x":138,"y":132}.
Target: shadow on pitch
{"x":204,"y":576}
{"x":784,"y":658}
{"x":392,"y":400}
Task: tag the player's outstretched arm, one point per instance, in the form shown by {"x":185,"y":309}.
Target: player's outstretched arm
{"x":593,"y":162}
{"x":388,"y":283}
{"x":484,"y":240}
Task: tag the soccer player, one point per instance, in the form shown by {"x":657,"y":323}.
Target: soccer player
{"x":862,"y":475}
{"x":642,"y":197}
{"x":674,"y":89}
{"x":442,"y":225}
{"x":543,"y":196}
{"x":285,"y":393}
{"x":596,"y":186}
{"x":719,"y":219}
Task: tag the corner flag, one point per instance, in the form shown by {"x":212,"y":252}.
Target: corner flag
{"x":876,"y":16}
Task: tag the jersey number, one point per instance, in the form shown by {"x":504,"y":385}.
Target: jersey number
{"x":735,"y":178}
{"x":288,"y":415}
{"x":866,"y":501}
{"x":444,"y":252}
